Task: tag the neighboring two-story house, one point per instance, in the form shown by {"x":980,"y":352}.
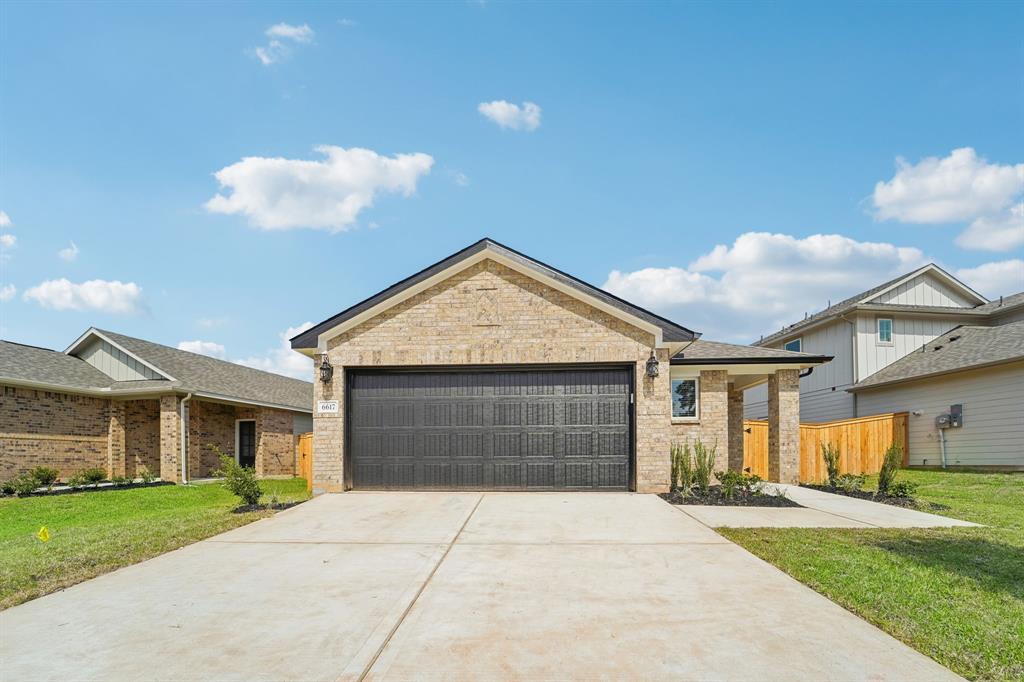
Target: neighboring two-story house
{"x":919,"y":343}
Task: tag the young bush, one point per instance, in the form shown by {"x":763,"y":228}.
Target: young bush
{"x":738,"y":483}
{"x":146,"y":475}
{"x":682,"y":468}
{"x":830,"y":453}
{"x":76,"y":481}
{"x":93,"y":475}
{"x":849,"y":483}
{"x":902,"y":489}
{"x":7,"y":488}
{"x":890,"y":465}
{"x":24,"y":484}
{"x":703,"y":465}
{"x":45,"y":475}
{"x":238,"y":479}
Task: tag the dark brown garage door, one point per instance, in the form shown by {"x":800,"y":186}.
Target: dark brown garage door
{"x":564,"y":429}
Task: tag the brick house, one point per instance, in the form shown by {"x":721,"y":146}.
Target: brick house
{"x":119,"y":403}
{"x":490,"y":369}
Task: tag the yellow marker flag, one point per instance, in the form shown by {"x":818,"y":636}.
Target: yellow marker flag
{"x":43,"y":534}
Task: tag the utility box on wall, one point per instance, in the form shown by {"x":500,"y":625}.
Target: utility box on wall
{"x":956,"y":415}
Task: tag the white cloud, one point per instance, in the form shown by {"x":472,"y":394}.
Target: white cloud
{"x":97,"y":294}
{"x":5,"y":220}
{"x":282,"y":359}
{"x":347,"y":23}
{"x":281,"y":37}
{"x":7,"y":292}
{"x":70,"y":253}
{"x":958,"y":188}
{"x":995,"y":279}
{"x":512,"y":116}
{"x":762,"y":281}
{"x":280,"y":194}
{"x":1000,"y":232}
{"x":8,"y":241}
{"x":210,"y":348}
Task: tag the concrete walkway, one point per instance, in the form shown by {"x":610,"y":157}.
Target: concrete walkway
{"x":470,"y":586}
{"x":821,"y":510}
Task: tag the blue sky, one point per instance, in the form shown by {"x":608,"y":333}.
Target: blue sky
{"x":732,"y":166}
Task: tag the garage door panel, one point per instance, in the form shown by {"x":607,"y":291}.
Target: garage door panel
{"x":548,"y":429}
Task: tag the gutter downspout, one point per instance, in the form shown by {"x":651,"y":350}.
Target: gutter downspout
{"x":942,"y":445}
{"x":184,"y":438}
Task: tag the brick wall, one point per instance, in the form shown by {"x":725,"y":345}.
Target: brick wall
{"x":142,"y":436}
{"x":489,"y":314}
{"x":711,"y":427}
{"x":275,"y":443}
{"x":59,"y":430}
{"x":210,"y":425}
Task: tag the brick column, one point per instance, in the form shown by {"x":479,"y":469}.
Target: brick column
{"x":714,"y":414}
{"x":784,"y":426}
{"x":115,"y":439}
{"x":170,"y":439}
{"x":328,"y":433}
{"x":735,"y":429}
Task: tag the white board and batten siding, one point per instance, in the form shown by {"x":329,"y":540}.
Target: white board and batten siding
{"x":908,"y":335}
{"x":993,"y":403}
{"x":823,"y":395}
{"x":925,"y":289}
{"x":115,"y":363}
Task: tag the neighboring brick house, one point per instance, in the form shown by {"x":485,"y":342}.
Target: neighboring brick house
{"x":118,"y":403}
{"x":490,"y":369}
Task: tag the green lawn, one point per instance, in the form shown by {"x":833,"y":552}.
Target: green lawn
{"x":96,"y":532}
{"x":956,"y":594}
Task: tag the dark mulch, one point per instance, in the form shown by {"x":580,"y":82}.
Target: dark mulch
{"x":715,"y":498}
{"x":61,"y":489}
{"x":245,"y":508}
{"x":906,"y":502}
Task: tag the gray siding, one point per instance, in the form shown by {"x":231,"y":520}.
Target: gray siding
{"x":302,"y":423}
{"x":924,"y":289}
{"x":115,"y":363}
{"x":993,"y":431}
{"x":908,"y":335}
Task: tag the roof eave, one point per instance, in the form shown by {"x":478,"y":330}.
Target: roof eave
{"x":807,"y":360}
{"x":931,"y":375}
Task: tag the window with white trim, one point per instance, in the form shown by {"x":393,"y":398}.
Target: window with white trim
{"x":796,"y":345}
{"x":684,"y":398}
{"x":884,"y":330}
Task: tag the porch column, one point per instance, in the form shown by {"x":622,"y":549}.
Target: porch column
{"x":115,"y":439}
{"x":784,"y":426}
{"x":714,"y":414}
{"x":170,"y":439}
{"x":735,"y":429}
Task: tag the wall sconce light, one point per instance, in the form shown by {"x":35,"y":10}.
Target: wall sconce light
{"x":652,"y":366}
{"x":326,"y":371}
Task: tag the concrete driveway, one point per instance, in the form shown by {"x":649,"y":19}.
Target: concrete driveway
{"x":453,"y":586}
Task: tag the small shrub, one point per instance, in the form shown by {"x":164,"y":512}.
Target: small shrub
{"x":682,"y":468}
{"x":7,"y":487}
{"x":738,"y":482}
{"x":24,"y":484}
{"x":902,"y":489}
{"x":890,"y":465}
{"x":93,"y":475}
{"x":238,"y":479}
{"x":146,"y":475}
{"x":120,"y":480}
{"x":703,"y":465}
{"x":849,"y":483}
{"x":830,"y":453}
{"x":76,"y":481}
{"x":45,"y":475}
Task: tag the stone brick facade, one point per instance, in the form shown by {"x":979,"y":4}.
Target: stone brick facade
{"x":70,"y":433}
{"x":489,"y":314}
{"x":711,"y":425}
{"x":784,"y":426}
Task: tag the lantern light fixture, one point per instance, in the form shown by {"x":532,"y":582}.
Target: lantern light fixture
{"x":652,"y":366}
{"x":326,"y":370}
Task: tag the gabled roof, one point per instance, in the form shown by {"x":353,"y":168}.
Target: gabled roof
{"x":186,"y":373}
{"x":670,"y":331}
{"x":703,"y":352}
{"x":962,"y":348}
{"x":864,"y":298}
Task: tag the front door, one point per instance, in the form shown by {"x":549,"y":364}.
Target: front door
{"x":247,"y":443}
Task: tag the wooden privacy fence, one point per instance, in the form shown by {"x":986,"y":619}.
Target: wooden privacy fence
{"x":862,"y":443}
{"x":304,"y":458}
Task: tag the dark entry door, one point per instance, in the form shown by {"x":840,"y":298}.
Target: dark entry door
{"x":523,"y":430}
{"x":247,"y":443}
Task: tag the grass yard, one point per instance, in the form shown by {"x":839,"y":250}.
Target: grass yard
{"x":96,"y":532}
{"x":955,"y":594}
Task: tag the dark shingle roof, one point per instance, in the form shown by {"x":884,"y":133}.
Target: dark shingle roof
{"x":961,"y":348}
{"x":203,"y":374}
{"x":670,"y":330}
{"x":998,"y":306}
{"x":712,"y":352}
{"x":850,"y":303}
{"x":44,"y":366}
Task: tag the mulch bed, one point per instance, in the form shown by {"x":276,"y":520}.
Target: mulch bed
{"x":59,"y":489}
{"x":245,"y":508}
{"x":715,"y":498}
{"x":905,"y":502}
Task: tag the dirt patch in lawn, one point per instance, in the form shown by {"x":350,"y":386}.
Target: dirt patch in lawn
{"x":716,"y":498}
